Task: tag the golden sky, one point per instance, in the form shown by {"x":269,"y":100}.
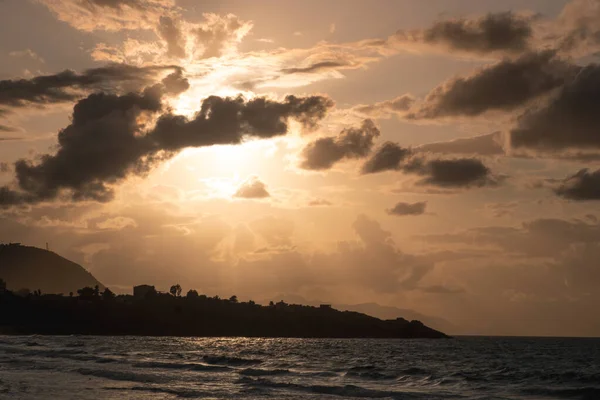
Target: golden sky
{"x":437,"y":156}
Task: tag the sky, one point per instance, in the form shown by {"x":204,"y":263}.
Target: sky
{"x":437,"y":156}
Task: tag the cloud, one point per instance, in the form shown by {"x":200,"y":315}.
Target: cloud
{"x":28,"y":53}
{"x":170,"y":31}
{"x":386,"y":109}
{"x":5,"y":128}
{"x":253,"y":188}
{"x":577,"y":30}
{"x":569,"y":121}
{"x":584,"y":185}
{"x":388,"y":157}
{"x":504,"y":32}
{"x":319,"y":203}
{"x":351,"y":143}
{"x":504,"y":86}
{"x":68,"y":85}
{"x":455,"y":173}
{"x":316,"y":67}
{"x":109,"y":139}
{"x":275,"y":231}
{"x":402,"y":209}
{"x":447,"y":173}
{"x":219,"y":34}
{"x":110,"y":15}
{"x":483,"y":145}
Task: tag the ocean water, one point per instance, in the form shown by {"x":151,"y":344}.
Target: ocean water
{"x":83,"y":367}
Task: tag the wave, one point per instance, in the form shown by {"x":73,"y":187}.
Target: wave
{"x":585,"y":393}
{"x":333,"y":390}
{"x":123,"y":375}
{"x":264,"y":372}
{"x":233,"y":361}
{"x":184,"y":366}
{"x":371,"y":375}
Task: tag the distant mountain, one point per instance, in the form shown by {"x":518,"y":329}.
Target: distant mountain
{"x":33,"y":268}
{"x":377,"y":311}
{"x":388,"y":312}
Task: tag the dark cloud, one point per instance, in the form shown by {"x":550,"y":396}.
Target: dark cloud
{"x":402,"y":209}
{"x":107,"y":140}
{"x":252,"y":189}
{"x":491,"y":33}
{"x":227,"y":120}
{"x":569,"y":121}
{"x":316,"y":67}
{"x":388,"y":157}
{"x":454,"y":173}
{"x":450,"y":173}
{"x":351,"y":143}
{"x":69,"y":85}
{"x":169,"y":31}
{"x":503,"y":86}
{"x":584,"y":185}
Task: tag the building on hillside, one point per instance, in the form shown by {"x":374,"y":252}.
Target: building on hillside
{"x":143,"y":291}
{"x":325,"y":306}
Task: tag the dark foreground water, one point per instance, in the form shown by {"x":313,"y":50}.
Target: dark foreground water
{"x":80,"y":367}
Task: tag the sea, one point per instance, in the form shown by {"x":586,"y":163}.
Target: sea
{"x":92,"y":367}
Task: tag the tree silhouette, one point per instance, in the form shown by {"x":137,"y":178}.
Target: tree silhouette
{"x":175,"y":290}
{"x":86,"y":293}
{"x":108,"y":294}
{"x":233,"y":299}
{"x":192,"y":294}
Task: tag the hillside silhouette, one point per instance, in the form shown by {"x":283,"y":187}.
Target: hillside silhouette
{"x":89,"y":308}
{"x":37,"y":269}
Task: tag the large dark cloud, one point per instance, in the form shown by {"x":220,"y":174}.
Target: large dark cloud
{"x":350,"y":143}
{"x":494,"y":32}
{"x":503,"y":86}
{"x":450,"y":173}
{"x":402,"y":208}
{"x":107,"y":140}
{"x":504,"y":32}
{"x":584,"y":185}
{"x":68,"y":85}
{"x":570,"y":120}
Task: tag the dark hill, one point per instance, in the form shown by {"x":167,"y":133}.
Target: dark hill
{"x":33,"y":268}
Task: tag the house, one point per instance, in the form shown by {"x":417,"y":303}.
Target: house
{"x":143,"y":291}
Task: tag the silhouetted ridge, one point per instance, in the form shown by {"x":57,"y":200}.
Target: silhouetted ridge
{"x":92,"y":309}
{"x":37,"y":269}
